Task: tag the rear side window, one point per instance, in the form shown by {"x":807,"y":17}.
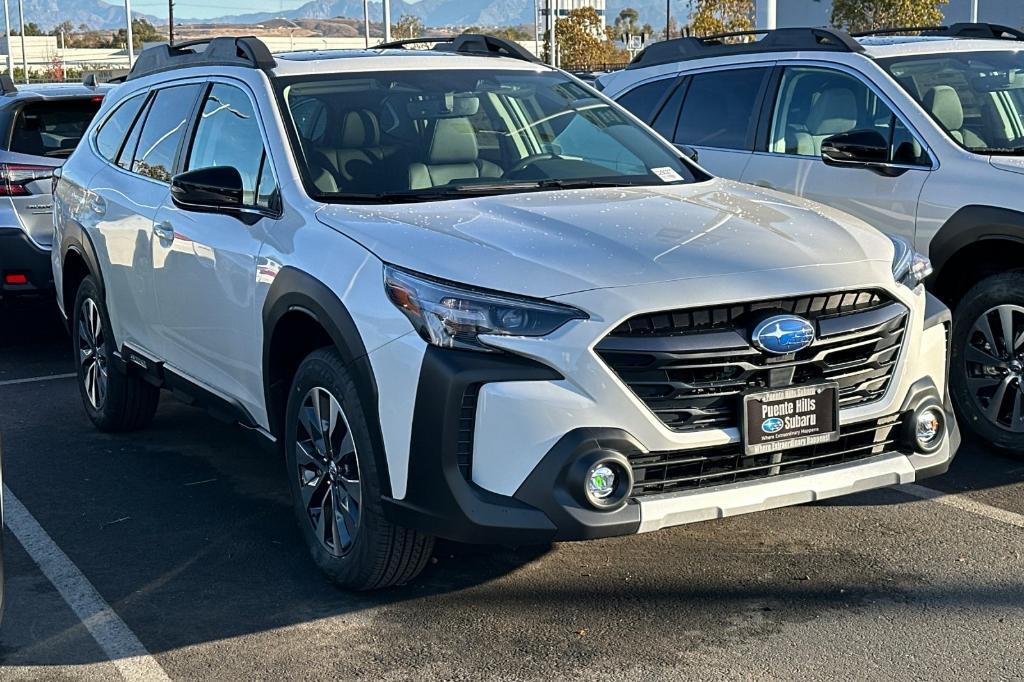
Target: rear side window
{"x":721,"y":109}
{"x":52,"y":128}
{"x":163,"y":130}
{"x":642,"y":101}
{"x":111,"y":135}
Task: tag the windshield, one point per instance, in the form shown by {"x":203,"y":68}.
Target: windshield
{"x":432,"y":135}
{"x":52,"y":128}
{"x":977,"y":97}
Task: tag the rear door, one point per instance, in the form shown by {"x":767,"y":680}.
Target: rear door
{"x":716,"y":113}
{"x":813,"y":102}
{"x":204,"y":263}
{"x":43,"y":134}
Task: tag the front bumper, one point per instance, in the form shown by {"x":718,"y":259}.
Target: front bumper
{"x":443,"y":499}
{"x":19,"y":256}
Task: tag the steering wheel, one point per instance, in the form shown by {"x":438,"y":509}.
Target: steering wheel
{"x":527,"y":162}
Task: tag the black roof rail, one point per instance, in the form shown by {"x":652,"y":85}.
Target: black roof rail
{"x":776,"y":40}
{"x":960,"y":30}
{"x":90,"y":80}
{"x":7,"y":86}
{"x":467,"y":43}
{"x":220,"y":51}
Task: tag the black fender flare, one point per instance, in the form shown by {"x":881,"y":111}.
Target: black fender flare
{"x":296,"y":291}
{"x":972,"y":224}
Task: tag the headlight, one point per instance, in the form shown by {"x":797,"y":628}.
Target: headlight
{"x":908,"y":266}
{"x":451,"y":316}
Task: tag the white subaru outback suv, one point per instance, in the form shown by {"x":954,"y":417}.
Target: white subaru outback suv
{"x":922,"y":136}
{"x":470,"y":298}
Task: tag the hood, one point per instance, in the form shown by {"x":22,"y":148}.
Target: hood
{"x":544,"y":244}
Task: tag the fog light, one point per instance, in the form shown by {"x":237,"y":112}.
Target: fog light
{"x":929,"y":428}
{"x":600,"y":481}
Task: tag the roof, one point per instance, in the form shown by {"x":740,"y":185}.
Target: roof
{"x":346,"y":61}
{"x":45,"y":91}
{"x":899,"y":46}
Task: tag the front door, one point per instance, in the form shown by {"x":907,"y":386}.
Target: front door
{"x":204,"y":263}
{"x":813,"y":103}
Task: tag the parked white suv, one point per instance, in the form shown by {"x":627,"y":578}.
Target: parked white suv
{"x":921,"y":136}
{"x":471,"y":298}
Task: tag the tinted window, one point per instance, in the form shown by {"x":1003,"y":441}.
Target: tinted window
{"x":163,"y":130}
{"x":665,"y":121}
{"x":721,"y":109}
{"x":111,"y":135}
{"x":813,"y":104}
{"x":228,"y":134}
{"x":52,"y":128}
{"x":641,"y":101}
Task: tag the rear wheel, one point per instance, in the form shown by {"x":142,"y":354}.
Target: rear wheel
{"x":335,"y":483}
{"x":987,"y":375}
{"x":114,"y":401}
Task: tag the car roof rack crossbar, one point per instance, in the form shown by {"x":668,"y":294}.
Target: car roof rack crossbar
{"x":7,"y":86}
{"x":220,"y":51}
{"x":774,"y":40}
{"x":468,"y":43}
{"x":959,"y":30}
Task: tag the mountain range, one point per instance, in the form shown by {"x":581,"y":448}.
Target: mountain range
{"x":100,"y":14}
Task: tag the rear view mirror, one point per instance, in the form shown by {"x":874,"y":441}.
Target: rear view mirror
{"x":208,"y":189}
{"x":861,"y":149}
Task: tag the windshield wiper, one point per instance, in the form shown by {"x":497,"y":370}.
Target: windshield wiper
{"x":478,"y":189}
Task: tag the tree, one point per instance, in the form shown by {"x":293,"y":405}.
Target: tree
{"x":142,"y":32}
{"x":866,"y":15}
{"x":628,"y":21}
{"x":708,"y":17}
{"x":408,"y":26}
{"x":583,"y":41}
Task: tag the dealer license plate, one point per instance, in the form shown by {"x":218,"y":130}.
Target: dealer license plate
{"x":791,"y":417}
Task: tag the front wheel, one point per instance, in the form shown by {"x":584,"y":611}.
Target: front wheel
{"x":335,"y":483}
{"x":987,"y":362}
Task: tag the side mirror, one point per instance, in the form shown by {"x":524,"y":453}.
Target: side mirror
{"x":689,"y":152}
{"x":859,"y":149}
{"x":217,"y":188}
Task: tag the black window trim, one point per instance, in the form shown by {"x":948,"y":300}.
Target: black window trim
{"x":184,"y":153}
{"x":870,"y":85}
{"x":748,"y":145}
{"x":661,"y":100}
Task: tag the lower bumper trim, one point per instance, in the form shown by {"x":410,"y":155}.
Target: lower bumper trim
{"x":673,"y":509}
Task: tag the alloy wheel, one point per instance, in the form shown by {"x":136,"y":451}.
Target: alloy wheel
{"x":328,"y":471}
{"x":994,"y":360}
{"x":91,"y":353}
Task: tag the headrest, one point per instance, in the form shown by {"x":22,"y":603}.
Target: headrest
{"x":453,"y":141}
{"x":835,"y":111}
{"x":944,"y":104}
{"x":359,"y":129}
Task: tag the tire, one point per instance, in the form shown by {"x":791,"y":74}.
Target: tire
{"x":362,"y":550}
{"x":114,"y":400}
{"x":987,"y":361}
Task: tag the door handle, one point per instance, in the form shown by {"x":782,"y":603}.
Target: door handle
{"x":164,"y":231}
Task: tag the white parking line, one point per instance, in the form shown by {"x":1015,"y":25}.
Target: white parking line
{"x":118,"y":642}
{"x":964,"y":504}
{"x":32,"y":380}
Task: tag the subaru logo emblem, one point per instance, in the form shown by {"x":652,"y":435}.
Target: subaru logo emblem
{"x":772,"y":425}
{"x":783,"y":334}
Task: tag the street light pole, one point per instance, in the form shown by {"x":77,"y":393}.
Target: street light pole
{"x":387,"y":20}
{"x":10,"y":52}
{"x":21,"y":18}
{"x":170,"y":22}
{"x":128,"y":21}
{"x":366,"y":21}
{"x":974,"y":11}
{"x":668,"y":19}
{"x":769,"y":11}
{"x":552,"y":25}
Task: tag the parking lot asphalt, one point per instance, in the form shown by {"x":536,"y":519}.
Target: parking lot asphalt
{"x":185,"y":531}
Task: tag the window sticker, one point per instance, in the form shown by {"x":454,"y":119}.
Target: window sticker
{"x":667,"y":174}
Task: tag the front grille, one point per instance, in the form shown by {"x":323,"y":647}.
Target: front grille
{"x":665,"y":472}
{"x":691,"y":367}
